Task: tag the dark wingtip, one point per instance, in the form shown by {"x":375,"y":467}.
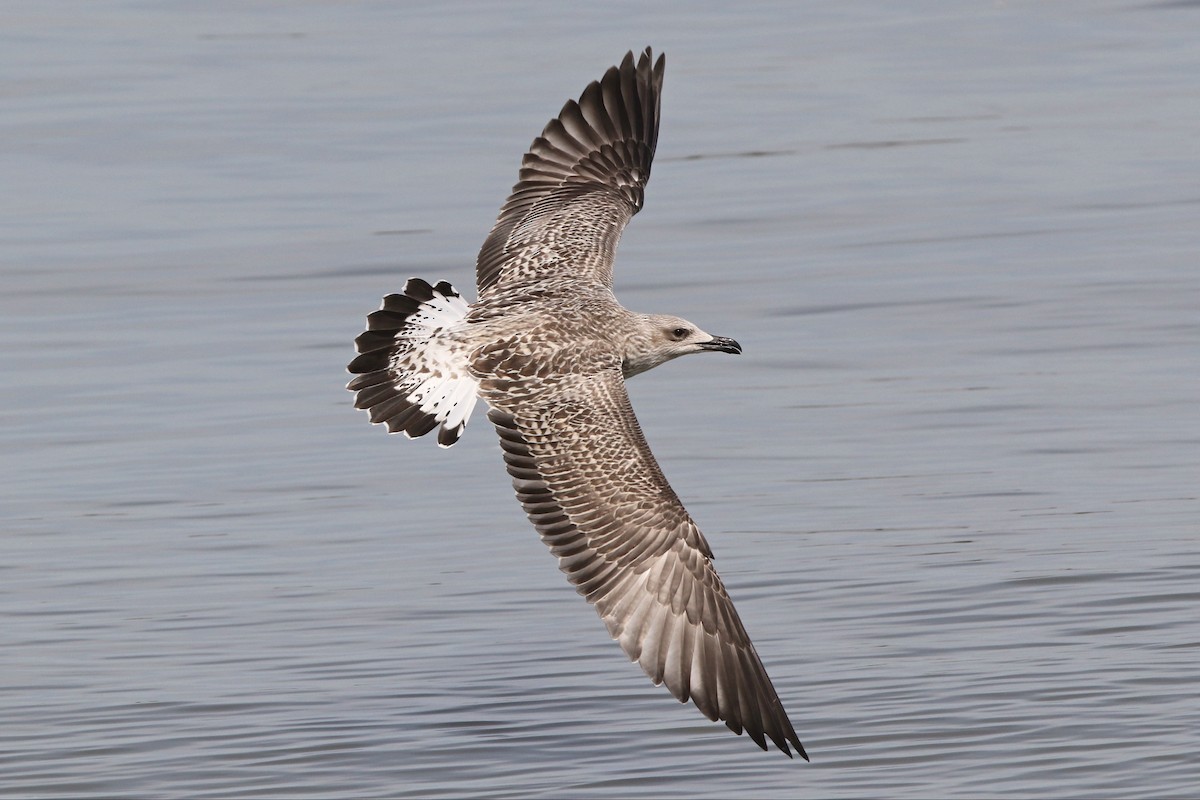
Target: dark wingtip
{"x":795,"y":741}
{"x":647,"y":56}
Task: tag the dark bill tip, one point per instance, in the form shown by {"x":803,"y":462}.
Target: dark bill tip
{"x":722,"y":344}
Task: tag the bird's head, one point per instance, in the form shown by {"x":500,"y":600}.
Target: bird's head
{"x":658,"y":338}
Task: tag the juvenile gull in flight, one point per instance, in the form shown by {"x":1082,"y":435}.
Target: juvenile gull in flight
{"x":548,"y":348}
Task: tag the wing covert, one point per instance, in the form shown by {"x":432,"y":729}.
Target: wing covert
{"x":580,"y":183}
{"x":594,"y":492}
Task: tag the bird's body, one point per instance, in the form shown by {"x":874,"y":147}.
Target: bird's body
{"x":548,"y":348}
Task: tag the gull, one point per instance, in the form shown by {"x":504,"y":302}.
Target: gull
{"x":548,"y":348}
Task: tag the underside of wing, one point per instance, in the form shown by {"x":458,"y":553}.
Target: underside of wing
{"x":580,"y":183}
{"x":595,"y":494}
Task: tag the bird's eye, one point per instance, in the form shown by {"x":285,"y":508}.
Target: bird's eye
{"x":679,"y":333}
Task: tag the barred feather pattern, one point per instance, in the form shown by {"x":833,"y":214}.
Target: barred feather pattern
{"x":412,"y":376}
{"x":581,"y":182}
{"x":593,"y":490}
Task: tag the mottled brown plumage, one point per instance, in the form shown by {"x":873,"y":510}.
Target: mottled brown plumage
{"x":548,"y":347}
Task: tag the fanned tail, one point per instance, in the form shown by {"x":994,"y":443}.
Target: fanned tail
{"x":410,"y":377}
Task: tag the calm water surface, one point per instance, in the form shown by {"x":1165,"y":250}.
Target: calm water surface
{"x":952,"y":483}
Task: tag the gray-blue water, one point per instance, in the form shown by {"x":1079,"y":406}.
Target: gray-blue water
{"x":952,"y":484}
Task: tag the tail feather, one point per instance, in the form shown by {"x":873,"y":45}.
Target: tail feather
{"x":408,"y":376}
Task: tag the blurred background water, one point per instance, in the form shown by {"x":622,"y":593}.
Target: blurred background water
{"x":952,"y":484}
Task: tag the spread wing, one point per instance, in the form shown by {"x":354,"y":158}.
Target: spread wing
{"x":580,"y":183}
{"x":592,"y":488}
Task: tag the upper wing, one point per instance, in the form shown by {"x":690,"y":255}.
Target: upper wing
{"x":590,"y":485}
{"x":580,"y":182}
